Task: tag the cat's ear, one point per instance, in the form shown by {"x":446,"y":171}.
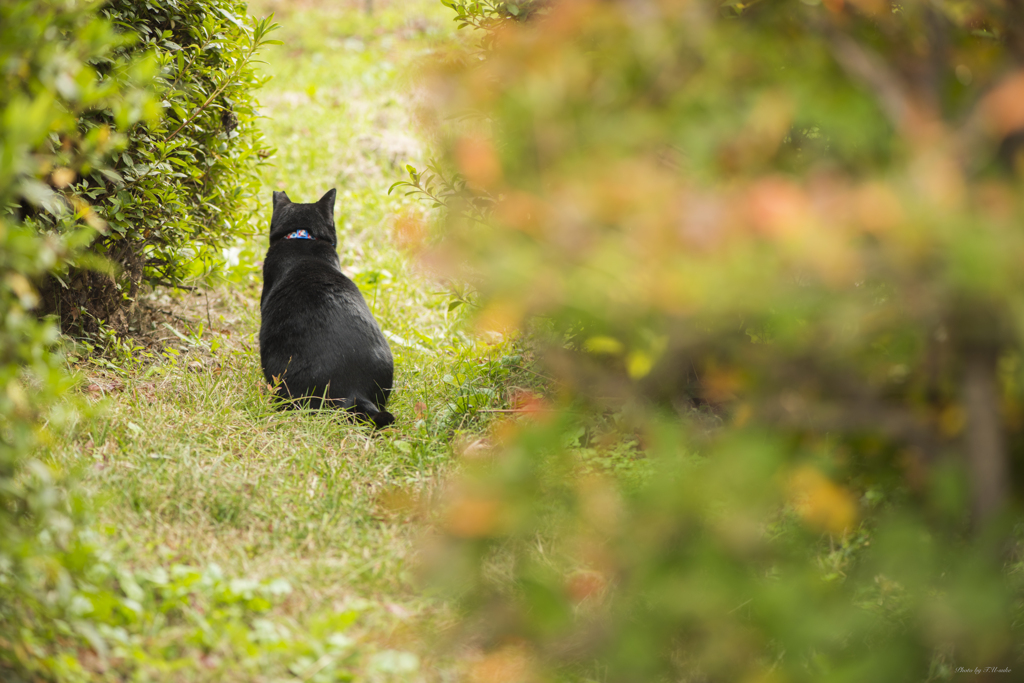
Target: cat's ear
{"x":280,"y":199}
{"x":326,"y":205}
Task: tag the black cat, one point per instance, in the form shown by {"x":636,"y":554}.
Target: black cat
{"x":318,"y":338}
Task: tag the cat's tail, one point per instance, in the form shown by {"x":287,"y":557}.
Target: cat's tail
{"x":380,"y":418}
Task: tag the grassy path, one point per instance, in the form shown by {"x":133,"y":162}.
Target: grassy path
{"x":272,"y":546}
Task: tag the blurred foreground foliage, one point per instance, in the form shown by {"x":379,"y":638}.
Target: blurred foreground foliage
{"x":47,"y":48}
{"x":771,"y":252}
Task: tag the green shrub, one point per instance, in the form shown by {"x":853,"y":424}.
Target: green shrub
{"x":79,"y":123}
{"x":184,"y":187}
{"x":490,"y":14}
{"x":776,"y":247}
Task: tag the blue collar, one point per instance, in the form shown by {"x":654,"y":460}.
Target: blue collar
{"x":299,"y":235}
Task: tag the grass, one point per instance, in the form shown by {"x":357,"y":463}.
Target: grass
{"x":252,"y":544}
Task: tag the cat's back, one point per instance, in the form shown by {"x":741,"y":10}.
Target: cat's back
{"x":309,"y":300}
{"x":297,"y":273}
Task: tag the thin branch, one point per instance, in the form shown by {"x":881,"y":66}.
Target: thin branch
{"x":864,"y":414}
{"x":166,"y":283}
{"x":865,"y":66}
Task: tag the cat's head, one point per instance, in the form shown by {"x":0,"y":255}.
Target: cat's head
{"x":316,"y":219}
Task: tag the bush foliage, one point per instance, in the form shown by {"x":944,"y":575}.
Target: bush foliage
{"x":182,"y":186}
{"x":771,"y":252}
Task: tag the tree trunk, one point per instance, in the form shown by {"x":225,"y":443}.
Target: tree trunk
{"x":986,"y":446}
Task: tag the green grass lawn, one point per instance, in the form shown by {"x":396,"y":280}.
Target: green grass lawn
{"x":259,"y":545}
